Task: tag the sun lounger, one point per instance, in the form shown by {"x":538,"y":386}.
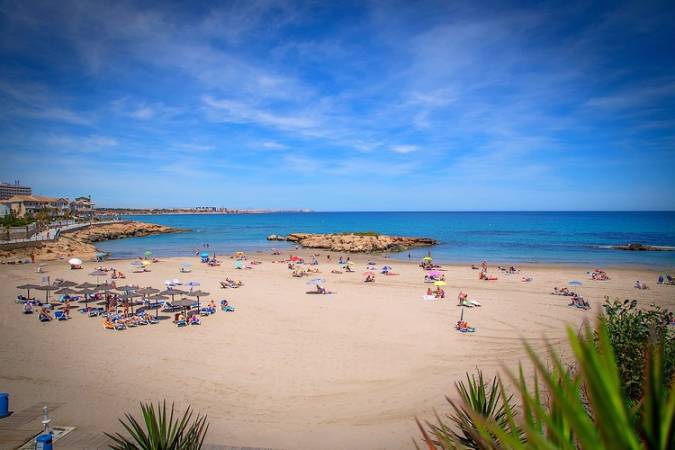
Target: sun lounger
{"x":170,"y":307}
{"x":60,"y":315}
{"x":112,"y":325}
{"x":95,"y":312}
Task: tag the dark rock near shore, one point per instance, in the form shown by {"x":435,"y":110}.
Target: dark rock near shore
{"x":637,"y":247}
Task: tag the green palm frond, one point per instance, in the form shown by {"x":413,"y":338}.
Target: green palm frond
{"x":159,"y":432}
{"x":586,"y":408}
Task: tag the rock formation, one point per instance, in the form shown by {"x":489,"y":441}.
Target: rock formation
{"x":637,"y":247}
{"x":355,"y":242}
{"x":81,"y":243}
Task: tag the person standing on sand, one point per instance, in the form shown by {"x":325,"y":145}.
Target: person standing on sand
{"x":409,"y":256}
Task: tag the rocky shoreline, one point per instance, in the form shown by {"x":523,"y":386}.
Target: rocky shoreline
{"x":637,"y":247}
{"x":355,"y":242}
{"x":81,"y":243}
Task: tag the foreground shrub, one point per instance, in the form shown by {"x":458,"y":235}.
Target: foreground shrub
{"x":630,"y":332}
{"x":159,"y":432}
{"x":587,"y":408}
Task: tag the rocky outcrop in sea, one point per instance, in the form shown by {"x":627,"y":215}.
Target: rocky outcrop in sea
{"x":355,"y":242}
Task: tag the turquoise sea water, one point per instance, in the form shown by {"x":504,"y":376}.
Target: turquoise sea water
{"x":517,"y":237}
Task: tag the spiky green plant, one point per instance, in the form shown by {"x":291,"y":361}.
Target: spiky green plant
{"x":159,"y":432}
{"x":476,"y":396}
{"x":585,"y":409}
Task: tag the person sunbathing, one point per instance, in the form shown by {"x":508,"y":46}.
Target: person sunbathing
{"x":27,"y":308}
{"x":430,"y":292}
{"x":462,"y":297}
{"x":369,"y":279}
{"x":45,"y":315}
{"x":639,"y":285}
{"x":464,"y":326}
{"x":320,"y":289}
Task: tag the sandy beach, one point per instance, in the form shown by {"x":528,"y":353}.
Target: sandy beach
{"x":290,"y":369}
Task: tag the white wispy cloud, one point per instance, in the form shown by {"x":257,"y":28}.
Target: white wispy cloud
{"x":225,"y":110}
{"x":274,"y":145}
{"x":404,"y":149}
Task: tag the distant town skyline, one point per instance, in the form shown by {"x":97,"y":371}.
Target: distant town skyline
{"x":349,"y":106}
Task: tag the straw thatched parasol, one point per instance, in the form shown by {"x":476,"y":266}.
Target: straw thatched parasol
{"x":28,"y":287}
{"x":198,"y":294}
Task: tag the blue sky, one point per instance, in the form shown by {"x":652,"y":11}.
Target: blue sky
{"x":342,"y":106}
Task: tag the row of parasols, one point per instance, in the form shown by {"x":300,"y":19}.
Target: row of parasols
{"x":127,"y":294}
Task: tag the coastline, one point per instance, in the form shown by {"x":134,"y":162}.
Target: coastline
{"x":363,"y":258}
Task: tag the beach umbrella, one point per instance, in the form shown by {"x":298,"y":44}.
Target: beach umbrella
{"x":136,"y":263}
{"x":186,"y":264}
{"x":238,"y":264}
{"x":183,"y":303}
{"x":98,"y":273}
{"x":86,"y":285}
{"x":129,"y":300}
{"x":147,"y":253}
{"x":575,"y":283}
{"x":433,"y":273}
{"x":192,"y":284}
{"x":386,"y":268}
{"x":427,"y":258}
{"x":172,"y":292}
{"x":75,"y":261}
{"x":28,"y":287}
{"x":147,"y":291}
{"x":105,"y":287}
{"x":47,"y":288}
{"x":87,"y":293}
{"x":295,"y":258}
{"x":156,"y":303}
{"x":146,"y":263}
{"x":439,"y":283}
{"x":316,"y":281}
{"x":64,"y":284}
{"x":176,"y":282}
{"x":127,"y":289}
{"x":198,"y":294}
{"x":66,"y":291}
{"x":101,"y":254}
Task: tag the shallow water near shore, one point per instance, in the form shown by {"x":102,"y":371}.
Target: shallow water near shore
{"x":516,"y":237}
